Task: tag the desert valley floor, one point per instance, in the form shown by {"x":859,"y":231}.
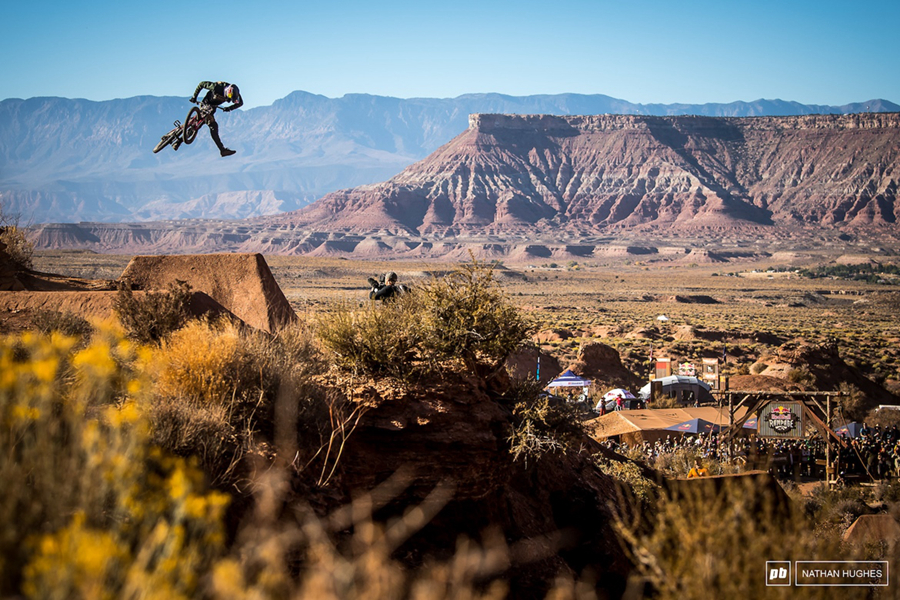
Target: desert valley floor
{"x":746,"y":309}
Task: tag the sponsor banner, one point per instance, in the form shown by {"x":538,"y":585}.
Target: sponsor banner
{"x":781,"y":419}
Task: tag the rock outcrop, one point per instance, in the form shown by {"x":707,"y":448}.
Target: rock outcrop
{"x":822,"y":366}
{"x":603,"y":366}
{"x":453,"y":431}
{"x":527,"y":173}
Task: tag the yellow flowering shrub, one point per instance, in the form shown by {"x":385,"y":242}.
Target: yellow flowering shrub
{"x":198,"y":362}
{"x":91,"y":508}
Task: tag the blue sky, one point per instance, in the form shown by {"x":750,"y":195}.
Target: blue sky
{"x":647,"y":51}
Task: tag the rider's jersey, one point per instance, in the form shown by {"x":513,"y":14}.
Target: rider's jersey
{"x":216,"y":94}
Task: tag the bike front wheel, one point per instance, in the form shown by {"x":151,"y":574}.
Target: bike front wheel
{"x":192,"y":125}
{"x":165,"y":141}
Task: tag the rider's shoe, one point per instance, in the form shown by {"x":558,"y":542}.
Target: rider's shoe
{"x":228,"y":152}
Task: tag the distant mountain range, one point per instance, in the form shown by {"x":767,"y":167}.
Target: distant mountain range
{"x":532,"y":187}
{"x":71,"y":160}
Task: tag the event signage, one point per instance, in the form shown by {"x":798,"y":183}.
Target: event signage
{"x":687,"y":370}
{"x":781,"y":419}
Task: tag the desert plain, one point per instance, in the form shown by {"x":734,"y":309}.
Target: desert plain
{"x":744,"y":310}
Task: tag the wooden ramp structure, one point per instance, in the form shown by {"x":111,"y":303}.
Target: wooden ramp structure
{"x":816,"y":408}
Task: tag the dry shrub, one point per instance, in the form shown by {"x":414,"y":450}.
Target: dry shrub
{"x":680,"y":462}
{"x":634,"y":484}
{"x":202,"y":362}
{"x":666,"y":402}
{"x":541,"y":423}
{"x":801,"y":375}
{"x":376,"y":339}
{"x":13,"y":241}
{"x":16,"y":245}
{"x":463,"y":317}
{"x":66,"y":323}
{"x":150,"y":318}
{"x":217,"y":386}
{"x":704,"y":542}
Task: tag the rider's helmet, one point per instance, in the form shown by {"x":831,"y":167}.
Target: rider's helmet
{"x":232,"y":91}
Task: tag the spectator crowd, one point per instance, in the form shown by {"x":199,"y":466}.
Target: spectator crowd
{"x":873,"y":454}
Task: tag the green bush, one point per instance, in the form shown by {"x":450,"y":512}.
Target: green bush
{"x":466,"y":316}
{"x":463,"y":317}
{"x":376,"y":339}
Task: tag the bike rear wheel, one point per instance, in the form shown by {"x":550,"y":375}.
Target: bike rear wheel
{"x":165,"y":141}
{"x":192,"y":124}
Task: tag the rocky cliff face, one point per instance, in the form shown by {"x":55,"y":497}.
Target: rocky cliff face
{"x":512,"y":174}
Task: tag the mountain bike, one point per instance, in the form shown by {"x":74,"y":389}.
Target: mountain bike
{"x":187,"y":133}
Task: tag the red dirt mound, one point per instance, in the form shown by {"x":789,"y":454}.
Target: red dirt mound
{"x":826,"y":367}
{"x":759,"y":488}
{"x":603,"y":366}
{"x":453,"y":430}
{"x":524,"y":363}
{"x":763,"y":383}
{"x":242,"y":283}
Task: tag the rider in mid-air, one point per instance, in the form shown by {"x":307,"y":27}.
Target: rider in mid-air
{"x":219,"y":92}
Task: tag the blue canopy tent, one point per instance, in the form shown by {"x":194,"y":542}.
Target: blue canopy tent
{"x":850,"y":430}
{"x":696,"y":426}
{"x":569,"y":379}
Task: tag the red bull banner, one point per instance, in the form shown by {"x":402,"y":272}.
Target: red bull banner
{"x":781,"y":419}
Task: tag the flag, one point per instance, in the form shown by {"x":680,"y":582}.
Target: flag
{"x":651,"y":352}
{"x":724,"y":346}
{"x":538,"y":376}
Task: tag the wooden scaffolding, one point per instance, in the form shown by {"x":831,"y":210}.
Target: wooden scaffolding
{"x":811,"y":403}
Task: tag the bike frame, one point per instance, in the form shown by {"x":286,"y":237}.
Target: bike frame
{"x":185,"y":134}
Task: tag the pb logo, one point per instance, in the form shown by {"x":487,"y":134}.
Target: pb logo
{"x":778,"y":573}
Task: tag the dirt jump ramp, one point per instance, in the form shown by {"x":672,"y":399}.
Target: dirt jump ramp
{"x":759,"y":489}
{"x":241,"y":283}
{"x":91,"y":306}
